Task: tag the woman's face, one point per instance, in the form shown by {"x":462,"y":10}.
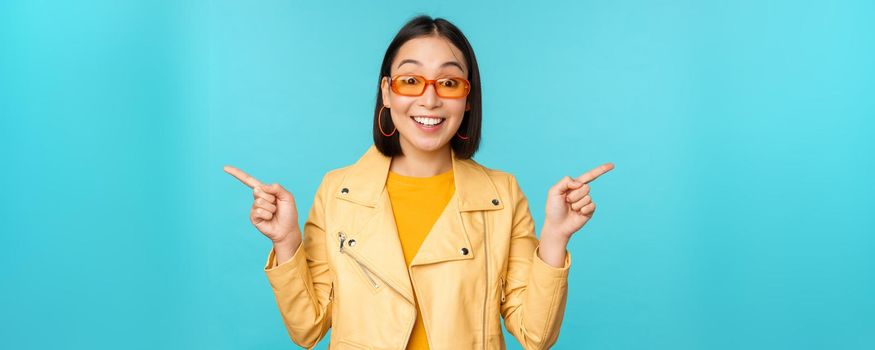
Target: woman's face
{"x":432,"y":57}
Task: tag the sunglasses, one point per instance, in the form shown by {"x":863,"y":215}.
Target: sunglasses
{"x":415,"y":85}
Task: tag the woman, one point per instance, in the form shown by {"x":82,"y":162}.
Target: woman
{"x":416,"y":245}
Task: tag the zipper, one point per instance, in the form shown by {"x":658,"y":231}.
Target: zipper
{"x":486,"y":259}
{"x":331,"y":294}
{"x":342,"y":237}
{"x":501,"y":280}
{"x":368,"y":275}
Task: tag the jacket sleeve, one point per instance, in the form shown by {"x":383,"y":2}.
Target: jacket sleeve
{"x":535,"y":292}
{"x":303,"y":286}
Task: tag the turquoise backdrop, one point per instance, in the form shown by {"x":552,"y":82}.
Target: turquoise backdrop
{"x":740,"y":214}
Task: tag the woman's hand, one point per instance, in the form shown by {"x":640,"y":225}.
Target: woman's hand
{"x":273,"y":210}
{"x":569,"y":207}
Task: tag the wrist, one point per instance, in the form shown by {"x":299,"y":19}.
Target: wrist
{"x":552,"y":248}
{"x":286,"y":248}
{"x":288,"y":240}
{"x":551,"y":237}
{"x":552,"y":243}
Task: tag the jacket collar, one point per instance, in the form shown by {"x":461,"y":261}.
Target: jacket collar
{"x":366,"y":181}
{"x":379,"y":248}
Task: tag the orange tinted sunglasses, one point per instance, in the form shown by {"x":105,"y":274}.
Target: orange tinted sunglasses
{"x":415,"y":85}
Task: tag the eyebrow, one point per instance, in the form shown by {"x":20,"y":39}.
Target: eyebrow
{"x":446,"y":64}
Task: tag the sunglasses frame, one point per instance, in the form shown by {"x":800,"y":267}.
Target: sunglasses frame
{"x":428,"y":82}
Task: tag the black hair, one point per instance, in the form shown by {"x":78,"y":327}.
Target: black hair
{"x":421,"y":26}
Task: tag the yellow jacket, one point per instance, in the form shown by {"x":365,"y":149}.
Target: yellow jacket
{"x":478,"y":261}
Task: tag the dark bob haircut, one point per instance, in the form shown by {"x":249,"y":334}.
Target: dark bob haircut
{"x":422,"y":26}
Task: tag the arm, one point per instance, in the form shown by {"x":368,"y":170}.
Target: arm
{"x":302,"y":284}
{"x":535,"y":291}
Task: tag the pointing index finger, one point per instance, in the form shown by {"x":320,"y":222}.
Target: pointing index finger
{"x":595,"y":173}
{"x":245,"y":178}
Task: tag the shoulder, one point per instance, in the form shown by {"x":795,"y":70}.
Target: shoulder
{"x":499,"y":176}
{"x":332,"y":178}
{"x":504,"y":181}
{"x":335,"y":175}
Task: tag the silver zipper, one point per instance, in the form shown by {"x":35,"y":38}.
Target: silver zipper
{"x":486,"y":257}
{"x":342,"y":237}
{"x":368,"y":275}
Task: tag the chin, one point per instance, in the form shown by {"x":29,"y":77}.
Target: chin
{"x":428,"y":145}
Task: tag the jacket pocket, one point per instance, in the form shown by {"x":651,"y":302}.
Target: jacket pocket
{"x":369,"y":277}
{"x":366,"y":275}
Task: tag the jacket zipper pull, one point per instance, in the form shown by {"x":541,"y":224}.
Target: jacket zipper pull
{"x":331,"y":293}
{"x":502,"y":288}
{"x":342,"y":237}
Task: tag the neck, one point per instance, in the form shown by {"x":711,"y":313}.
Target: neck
{"x":421,"y":163}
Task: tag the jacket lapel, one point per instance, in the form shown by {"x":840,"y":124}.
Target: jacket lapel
{"x":378,"y":244}
{"x":449,"y":239}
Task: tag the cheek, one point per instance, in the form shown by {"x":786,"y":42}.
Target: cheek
{"x":400,"y":108}
{"x":458,"y":109}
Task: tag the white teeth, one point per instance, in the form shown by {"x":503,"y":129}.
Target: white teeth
{"x":428,"y":120}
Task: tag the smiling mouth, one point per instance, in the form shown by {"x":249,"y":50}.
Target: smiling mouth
{"x":428,"y":121}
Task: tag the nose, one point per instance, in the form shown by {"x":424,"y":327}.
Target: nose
{"x":429,"y":98}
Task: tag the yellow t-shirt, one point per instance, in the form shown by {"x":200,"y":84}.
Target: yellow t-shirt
{"x":417,"y":202}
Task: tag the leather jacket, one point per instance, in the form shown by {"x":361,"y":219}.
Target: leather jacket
{"x":478,"y":262}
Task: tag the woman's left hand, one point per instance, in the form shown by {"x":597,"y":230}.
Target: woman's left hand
{"x":570,"y":206}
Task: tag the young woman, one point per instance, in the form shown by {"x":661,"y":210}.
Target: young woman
{"x":416,"y":245}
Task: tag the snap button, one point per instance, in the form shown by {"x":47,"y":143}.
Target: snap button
{"x":464,"y":251}
{"x":351,"y":242}
{"x":344,"y":190}
{"x":495,"y":202}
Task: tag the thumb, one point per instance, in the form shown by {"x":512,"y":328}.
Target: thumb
{"x":278,"y":191}
{"x":564,"y":185}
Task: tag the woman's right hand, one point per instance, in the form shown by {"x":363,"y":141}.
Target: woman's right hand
{"x":273,"y":209}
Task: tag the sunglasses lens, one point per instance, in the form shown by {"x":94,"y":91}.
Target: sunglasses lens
{"x":410,"y":85}
{"x":452,"y":87}
{"x":414,"y":85}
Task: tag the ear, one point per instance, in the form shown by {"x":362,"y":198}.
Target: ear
{"x":384,"y":91}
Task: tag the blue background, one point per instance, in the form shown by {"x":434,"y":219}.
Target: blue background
{"x":740,"y":214}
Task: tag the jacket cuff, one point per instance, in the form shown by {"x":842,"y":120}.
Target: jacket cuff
{"x":541,"y":268}
{"x":298,"y":258}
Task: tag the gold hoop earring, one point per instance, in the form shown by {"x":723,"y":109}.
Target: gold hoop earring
{"x":380,"y":122}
